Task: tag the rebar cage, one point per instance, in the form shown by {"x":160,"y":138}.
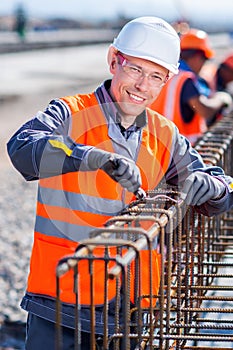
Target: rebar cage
{"x":188,"y":305}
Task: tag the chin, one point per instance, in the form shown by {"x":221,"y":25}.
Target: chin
{"x":131,"y":109}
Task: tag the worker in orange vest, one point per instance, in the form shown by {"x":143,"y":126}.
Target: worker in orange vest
{"x":219,"y":76}
{"x":187,"y":99}
{"x":224,"y":74}
{"x":90,"y":154}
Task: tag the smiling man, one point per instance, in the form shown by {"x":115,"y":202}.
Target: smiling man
{"x":91,"y":153}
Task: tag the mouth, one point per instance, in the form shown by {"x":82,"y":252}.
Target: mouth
{"x":136,"y":98}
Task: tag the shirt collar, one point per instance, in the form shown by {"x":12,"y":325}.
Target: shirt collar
{"x":184,"y":66}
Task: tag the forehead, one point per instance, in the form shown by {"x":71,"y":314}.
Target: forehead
{"x":145,"y":64}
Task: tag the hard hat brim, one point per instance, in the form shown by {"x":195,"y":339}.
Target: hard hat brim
{"x":173,"y":69}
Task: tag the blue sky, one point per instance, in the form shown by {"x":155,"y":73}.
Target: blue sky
{"x":211,"y":12}
{"x":91,"y":8}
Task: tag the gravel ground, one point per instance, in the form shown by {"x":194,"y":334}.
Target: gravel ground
{"x":16,"y":226}
{"x":17,"y":208}
{"x":16,"y":232}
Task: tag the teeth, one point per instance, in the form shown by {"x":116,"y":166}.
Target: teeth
{"x":136,"y":98}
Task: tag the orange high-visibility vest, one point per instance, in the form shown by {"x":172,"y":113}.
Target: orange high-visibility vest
{"x":168,"y":104}
{"x":69,"y":206}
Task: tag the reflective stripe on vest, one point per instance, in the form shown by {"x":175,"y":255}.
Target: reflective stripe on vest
{"x":71,"y":205}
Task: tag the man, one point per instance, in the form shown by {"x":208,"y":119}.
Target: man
{"x":90,"y":153}
{"x":187,"y":99}
{"x":219,"y":76}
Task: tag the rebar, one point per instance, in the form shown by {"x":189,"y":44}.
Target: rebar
{"x":188,"y":256}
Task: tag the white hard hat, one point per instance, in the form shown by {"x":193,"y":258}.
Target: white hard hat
{"x":150,"y":38}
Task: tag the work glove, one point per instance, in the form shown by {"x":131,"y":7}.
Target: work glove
{"x":200,"y":187}
{"x":224,"y":97}
{"x":119,"y":168}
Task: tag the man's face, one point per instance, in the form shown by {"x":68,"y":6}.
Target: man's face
{"x":136,"y":83}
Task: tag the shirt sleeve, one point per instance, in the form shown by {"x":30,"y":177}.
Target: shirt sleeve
{"x":185,"y":160}
{"x":42,"y":146}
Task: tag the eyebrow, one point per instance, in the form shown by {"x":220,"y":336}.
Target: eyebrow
{"x":153,"y":72}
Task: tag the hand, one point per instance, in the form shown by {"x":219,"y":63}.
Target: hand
{"x":225,"y":98}
{"x":119,"y":168}
{"x":200,"y":187}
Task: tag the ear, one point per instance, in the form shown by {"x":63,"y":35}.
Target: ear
{"x":112,"y":52}
{"x":169,"y":76}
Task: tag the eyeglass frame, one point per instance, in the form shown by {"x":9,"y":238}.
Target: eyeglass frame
{"x":123,"y":61}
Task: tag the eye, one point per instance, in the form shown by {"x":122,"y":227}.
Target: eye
{"x":156,"y":78}
{"x":135,"y":70}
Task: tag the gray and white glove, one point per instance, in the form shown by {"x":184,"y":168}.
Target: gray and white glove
{"x":224,"y":97}
{"x":200,"y":187}
{"x":119,"y":168}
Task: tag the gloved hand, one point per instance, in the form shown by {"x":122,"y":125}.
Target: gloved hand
{"x":199,"y":187}
{"x":225,"y":98}
{"x":119,"y":168}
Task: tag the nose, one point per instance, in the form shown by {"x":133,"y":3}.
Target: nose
{"x":143,"y":82}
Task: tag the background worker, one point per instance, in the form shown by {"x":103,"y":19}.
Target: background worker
{"x":219,"y":76}
{"x":71,"y":148}
{"x":187,"y":99}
